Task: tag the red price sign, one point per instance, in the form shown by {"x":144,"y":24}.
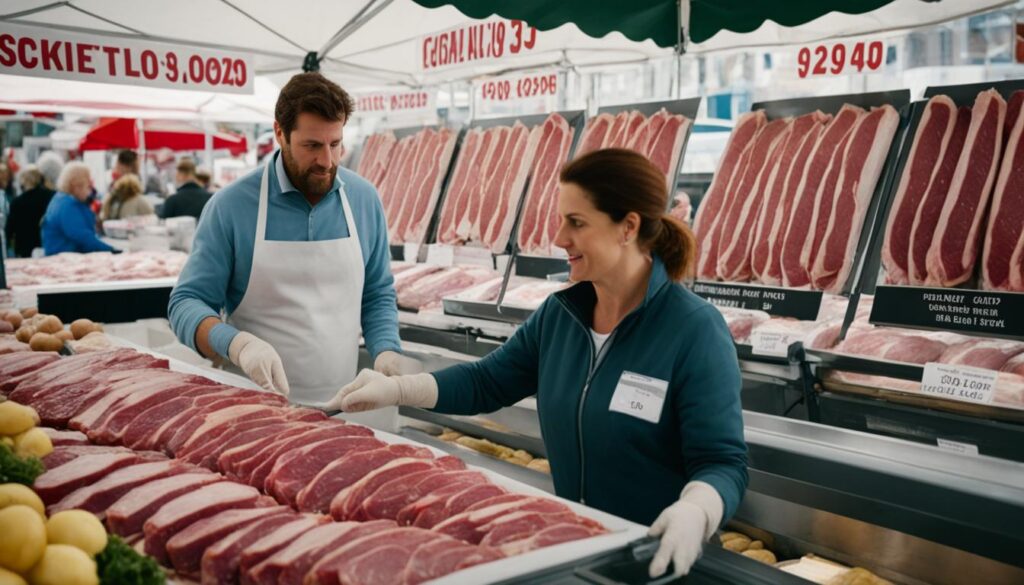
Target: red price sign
{"x":517,"y":88}
{"x":840,"y":58}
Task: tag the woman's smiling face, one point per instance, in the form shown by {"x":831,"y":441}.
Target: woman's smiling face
{"x":592,"y":239}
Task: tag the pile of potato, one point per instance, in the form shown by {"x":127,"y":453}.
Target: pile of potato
{"x":18,"y":431}
{"x":507,"y":454}
{"x":743,"y":544}
{"x":45,"y":332}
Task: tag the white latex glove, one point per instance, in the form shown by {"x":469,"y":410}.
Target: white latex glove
{"x":684,"y":527}
{"x":259,"y":361}
{"x":391,"y":363}
{"x":371,"y":390}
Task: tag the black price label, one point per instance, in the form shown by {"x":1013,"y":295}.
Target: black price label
{"x":776,"y":301}
{"x":969,"y":311}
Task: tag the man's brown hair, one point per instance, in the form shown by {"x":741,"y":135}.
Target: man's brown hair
{"x":313,"y":93}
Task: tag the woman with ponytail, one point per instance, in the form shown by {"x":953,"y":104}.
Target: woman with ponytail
{"x":636,"y":378}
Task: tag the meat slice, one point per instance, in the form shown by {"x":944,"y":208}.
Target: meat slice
{"x":126,"y":516}
{"x":9,"y":346}
{"x":289,"y":565}
{"x":716,"y":201}
{"x":263,"y":548}
{"x":933,"y":134}
{"x":442,"y":557}
{"x":767,"y":223}
{"x":428,"y":510}
{"x":373,"y":162}
{"x":234,"y":455}
{"x":865,"y":157}
{"x":594,"y":133}
{"x":136,"y":388}
{"x":735,"y":230}
{"x":519,"y":525}
{"x":460,"y":501}
{"x":186,"y":509}
{"x":257,"y":468}
{"x":665,"y":143}
{"x":1014,"y":365}
{"x":214,"y":424}
{"x":317,"y":495}
{"x":343,"y":566}
{"x":221,"y":559}
{"x":991,"y":354}
{"x":65,"y":453}
{"x":12,"y":366}
{"x":345,"y":505}
{"x":206,"y":450}
{"x":97,"y":497}
{"x":185,"y":549}
{"x":62,"y":438}
{"x":465,"y":526}
{"x":550,"y":536}
{"x":414,"y":229}
{"x":555,"y":141}
{"x":805,"y":206}
{"x":1004,"y":235}
{"x":60,"y":481}
{"x":954,"y":248}
{"x":294,"y":470}
{"x":393,"y":496}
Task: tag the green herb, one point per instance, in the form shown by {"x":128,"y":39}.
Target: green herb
{"x":16,"y":469}
{"x":120,"y":564}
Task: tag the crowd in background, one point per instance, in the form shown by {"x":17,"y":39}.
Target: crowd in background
{"x":51,"y":206}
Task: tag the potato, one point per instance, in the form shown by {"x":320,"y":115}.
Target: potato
{"x":14,"y":318}
{"x":765,"y":556}
{"x":25,"y":333}
{"x":33,"y":443}
{"x":23,"y":539}
{"x":79,"y":529}
{"x":45,"y":342}
{"x":16,"y":418}
{"x":28,"y":312}
{"x":15,"y":494}
{"x":756,"y":545}
{"x":63,"y":564}
{"x":737,"y":544}
{"x":82,"y":327}
{"x":51,"y":324}
{"x":64,"y":335}
{"x":9,"y":578}
{"x":6,"y":327}
{"x":727,"y":536}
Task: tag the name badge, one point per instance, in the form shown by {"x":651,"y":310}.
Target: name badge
{"x":640,"y":396}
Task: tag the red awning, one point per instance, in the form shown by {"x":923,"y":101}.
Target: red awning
{"x":114,"y":133}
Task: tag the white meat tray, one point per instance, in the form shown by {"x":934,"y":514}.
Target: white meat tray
{"x":621,"y":531}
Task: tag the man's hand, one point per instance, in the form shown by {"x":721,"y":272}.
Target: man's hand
{"x":392,"y":363}
{"x":371,"y":390}
{"x":259,"y":361}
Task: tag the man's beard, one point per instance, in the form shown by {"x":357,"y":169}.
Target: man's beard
{"x":306,"y":182}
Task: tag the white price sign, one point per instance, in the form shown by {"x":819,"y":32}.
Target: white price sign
{"x":962,"y":383}
{"x":770,"y":343}
{"x":440,"y":255}
{"x":53,"y":54}
{"x":401,"y":102}
{"x":411,"y":252}
{"x":845,"y":58}
{"x":957,"y":447}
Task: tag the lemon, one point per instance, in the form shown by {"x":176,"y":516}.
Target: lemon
{"x":77,"y":528}
{"x":12,"y":494}
{"x":63,"y":564}
{"x":23,"y":538}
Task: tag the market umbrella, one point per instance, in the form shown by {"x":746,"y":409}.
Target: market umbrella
{"x":660,"y":20}
{"x":114,"y":133}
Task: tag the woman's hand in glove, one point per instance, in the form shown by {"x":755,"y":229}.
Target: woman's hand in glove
{"x":371,"y":390}
{"x":684,"y":527}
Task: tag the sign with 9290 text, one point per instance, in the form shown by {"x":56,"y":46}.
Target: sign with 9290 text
{"x":840,"y":58}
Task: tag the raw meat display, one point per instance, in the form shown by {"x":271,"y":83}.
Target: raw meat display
{"x":427,"y":292}
{"x":659,"y":137}
{"x":954,"y":247}
{"x":70,"y":267}
{"x":410,"y":184}
{"x":540,"y":219}
{"x":373,"y":160}
{"x":1003,"y":251}
{"x":235,"y":521}
{"x":487,"y":183}
{"x":933,"y":134}
{"x":532,"y":293}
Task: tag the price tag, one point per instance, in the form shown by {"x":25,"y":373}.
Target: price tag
{"x":770,"y":343}
{"x":840,"y":58}
{"x":411,"y":252}
{"x":440,"y":255}
{"x":962,"y":383}
{"x":957,"y":447}
{"x":640,"y":396}
{"x":474,"y":256}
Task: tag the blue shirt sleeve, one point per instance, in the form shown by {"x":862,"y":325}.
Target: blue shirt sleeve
{"x":203,"y":283}
{"x":79,"y":227}
{"x":379,"y":306}
{"x":502,"y":378}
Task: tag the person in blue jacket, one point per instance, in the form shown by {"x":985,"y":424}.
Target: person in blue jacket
{"x":636,"y":378}
{"x":69,"y":224}
{"x":296,"y":252}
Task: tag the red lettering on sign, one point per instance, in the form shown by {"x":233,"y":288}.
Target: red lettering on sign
{"x":85,"y":58}
{"x":26,"y":61}
{"x":51,"y":58}
{"x":7,"y":58}
{"x":129,"y":71}
{"x":112,"y":59}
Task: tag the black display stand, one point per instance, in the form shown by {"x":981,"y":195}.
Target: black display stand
{"x":107,"y":306}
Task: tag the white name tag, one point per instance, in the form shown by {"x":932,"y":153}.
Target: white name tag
{"x":640,"y":396}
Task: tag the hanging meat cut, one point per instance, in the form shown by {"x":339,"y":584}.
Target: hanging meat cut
{"x":954,"y":248}
{"x":373,"y":161}
{"x":540,"y":208}
{"x":1003,"y":252}
{"x":933,"y":135}
{"x":862,"y":165}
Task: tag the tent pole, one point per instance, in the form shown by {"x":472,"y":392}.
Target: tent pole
{"x":142,"y":153}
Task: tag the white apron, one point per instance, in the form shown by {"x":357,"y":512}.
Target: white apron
{"x":305,"y":299}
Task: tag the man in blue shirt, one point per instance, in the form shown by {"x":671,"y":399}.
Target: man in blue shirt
{"x":297,"y":255}
{"x":69,"y":224}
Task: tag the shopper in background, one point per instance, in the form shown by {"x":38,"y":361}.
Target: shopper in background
{"x":50,"y":165}
{"x":204,"y":178}
{"x":27,"y":210}
{"x":636,"y":378}
{"x":127,"y":164}
{"x":125,"y":200}
{"x":191,"y":197}
{"x":69,"y":224}
{"x":297,"y":252}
